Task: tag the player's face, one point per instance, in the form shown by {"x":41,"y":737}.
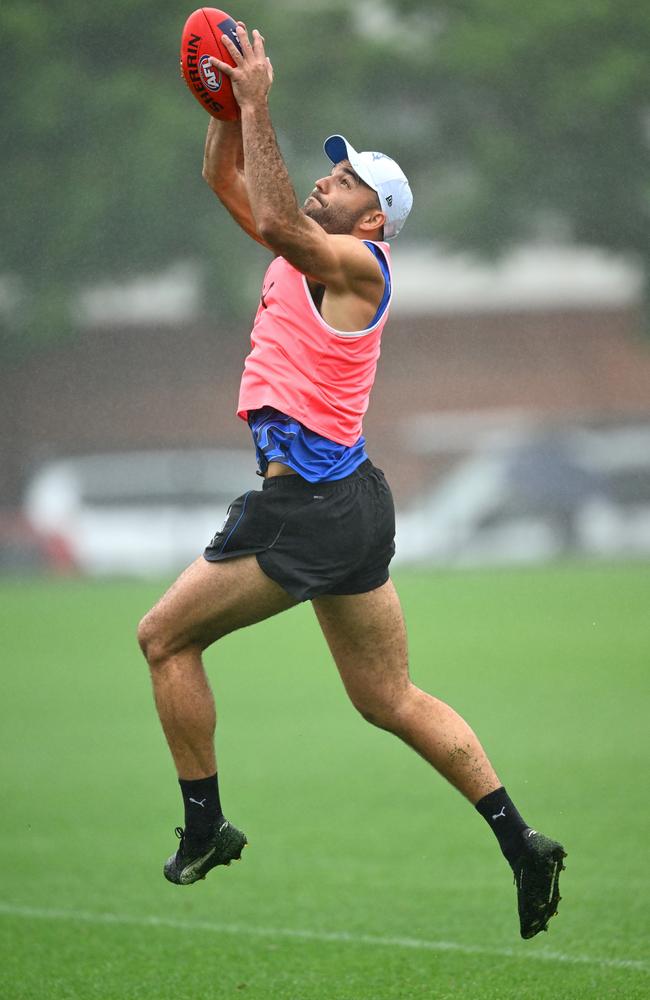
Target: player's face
{"x":339,"y":200}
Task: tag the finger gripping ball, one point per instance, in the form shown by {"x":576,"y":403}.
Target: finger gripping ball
{"x":201,"y":39}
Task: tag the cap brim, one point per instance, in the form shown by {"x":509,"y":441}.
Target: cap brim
{"x":338,"y":148}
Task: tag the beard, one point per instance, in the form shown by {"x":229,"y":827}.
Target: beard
{"x":337,"y":221}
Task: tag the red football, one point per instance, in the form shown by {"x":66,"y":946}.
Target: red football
{"x":202,"y":39}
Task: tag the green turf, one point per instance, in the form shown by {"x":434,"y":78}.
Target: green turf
{"x":354,"y":843}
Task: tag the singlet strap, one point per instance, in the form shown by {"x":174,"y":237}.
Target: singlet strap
{"x":385,"y":270}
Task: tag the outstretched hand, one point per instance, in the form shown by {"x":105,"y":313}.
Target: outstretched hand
{"x":252,"y":74}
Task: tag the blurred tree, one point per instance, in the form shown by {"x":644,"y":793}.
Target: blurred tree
{"x":507,"y":118}
{"x":541,"y":121}
{"x":102,"y":175}
{"x":100,"y":178}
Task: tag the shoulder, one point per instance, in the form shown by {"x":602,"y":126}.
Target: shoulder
{"x":356,"y":257}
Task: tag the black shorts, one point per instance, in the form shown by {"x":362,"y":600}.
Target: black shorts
{"x":335,"y":537}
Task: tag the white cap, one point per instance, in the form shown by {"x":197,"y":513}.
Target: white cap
{"x":380,"y":173}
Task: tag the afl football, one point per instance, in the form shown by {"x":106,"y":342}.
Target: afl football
{"x":201,"y":39}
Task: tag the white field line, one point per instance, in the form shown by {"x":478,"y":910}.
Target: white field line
{"x":336,"y":937}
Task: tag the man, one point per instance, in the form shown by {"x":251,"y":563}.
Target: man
{"x":322,"y":527}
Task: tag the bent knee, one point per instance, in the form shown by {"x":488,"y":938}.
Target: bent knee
{"x":155,"y":639}
{"x":374,"y":714}
{"x":379,"y":715}
{"x":146,"y":633}
{"x":383,"y":710}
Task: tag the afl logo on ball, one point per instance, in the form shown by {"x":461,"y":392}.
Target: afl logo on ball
{"x":210,"y":76}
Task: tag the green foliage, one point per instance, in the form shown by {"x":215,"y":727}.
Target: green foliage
{"x":548,"y":106}
{"x":505,"y":116}
{"x":103,"y":173}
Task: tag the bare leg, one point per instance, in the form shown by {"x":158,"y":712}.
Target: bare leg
{"x":208,"y":601}
{"x":366,"y":635}
{"x":367,"y":638}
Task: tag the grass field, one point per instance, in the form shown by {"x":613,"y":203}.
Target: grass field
{"x":367,"y":877}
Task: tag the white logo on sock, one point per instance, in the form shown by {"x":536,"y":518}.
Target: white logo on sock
{"x":531,"y":832}
{"x":500,"y":815}
{"x":197,"y":803}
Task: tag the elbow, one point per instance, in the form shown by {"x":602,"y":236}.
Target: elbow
{"x":273,"y":230}
{"x":268,"y":229}
{"x":209,"y":177}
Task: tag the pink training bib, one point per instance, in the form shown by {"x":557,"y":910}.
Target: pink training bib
{"x":303,"y":367}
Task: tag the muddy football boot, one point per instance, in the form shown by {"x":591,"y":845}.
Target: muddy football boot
{"x":537,"y":877}
{"x":194,"y":858}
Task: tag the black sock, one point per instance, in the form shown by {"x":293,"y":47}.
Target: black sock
{"x":202,"y":806}
{"x":504,"y":821}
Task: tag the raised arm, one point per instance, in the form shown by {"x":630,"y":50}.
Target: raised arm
{"x":223,"y":169}
{"x":340,"y":262}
